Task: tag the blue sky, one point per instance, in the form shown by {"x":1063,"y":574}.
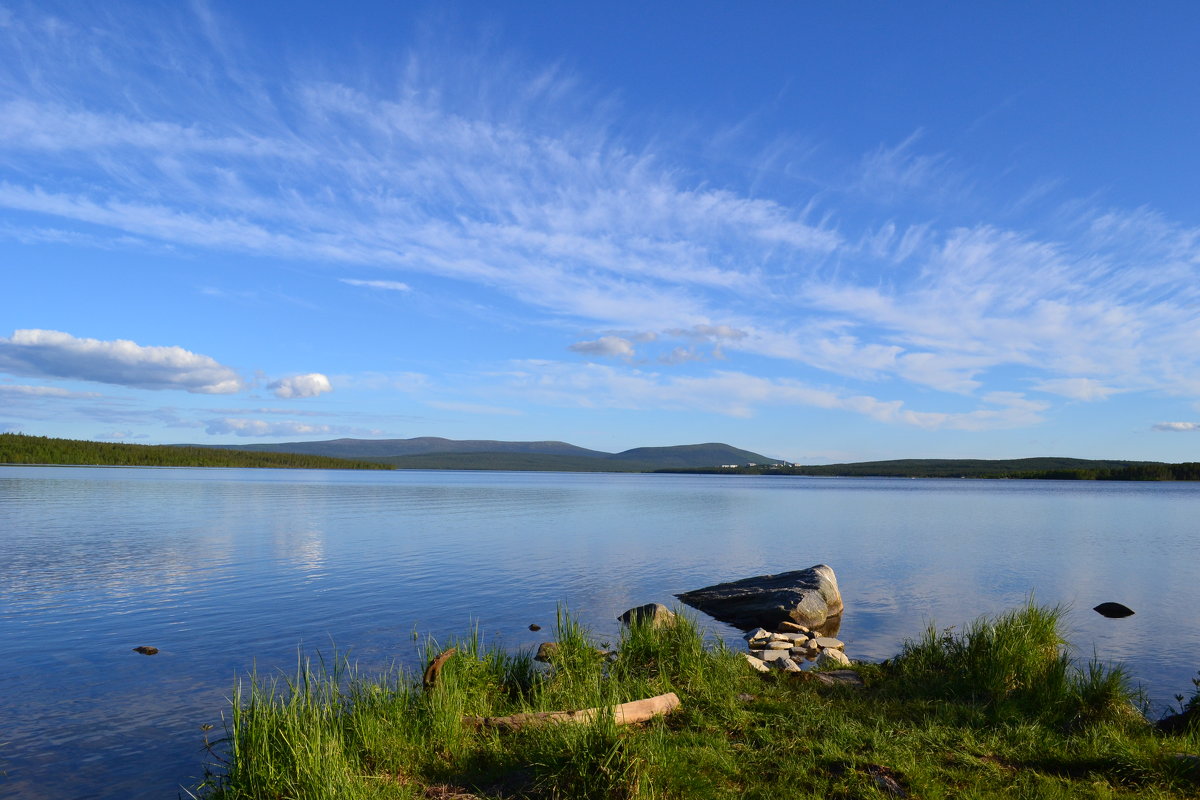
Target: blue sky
{"x":820,"y":231}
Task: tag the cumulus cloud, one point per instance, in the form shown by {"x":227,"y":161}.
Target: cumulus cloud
{"x":54,"y":354}
{"x":391,"y":286}
{"x":309,"y":385}
{"x":606,"y":347}
{"x":1177,"y":427}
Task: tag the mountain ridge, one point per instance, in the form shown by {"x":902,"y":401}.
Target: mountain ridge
{"x":435,"y":452}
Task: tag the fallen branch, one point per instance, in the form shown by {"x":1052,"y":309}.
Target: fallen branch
{"x":623,"y":714}
{"x":435,"y":668}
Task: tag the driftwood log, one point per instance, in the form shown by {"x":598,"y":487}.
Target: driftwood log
{"x":623,"y":714}
{"x":435,"y":668}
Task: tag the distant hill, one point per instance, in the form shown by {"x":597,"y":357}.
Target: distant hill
{"x":431,"y":452}
{"x":690,"y":455}
{"x":422,"y":445}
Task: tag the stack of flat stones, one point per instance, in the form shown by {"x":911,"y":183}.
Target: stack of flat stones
{"x":785,"y":649}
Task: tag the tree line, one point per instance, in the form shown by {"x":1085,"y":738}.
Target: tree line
{"x":19,"y":448}
{"x":1187,"y":471}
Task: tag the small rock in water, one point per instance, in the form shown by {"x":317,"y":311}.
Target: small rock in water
{"x":546,"y":652}
{"x":535,"y":627}
{"x":146,"y":651}
{"x":1113,"y":610}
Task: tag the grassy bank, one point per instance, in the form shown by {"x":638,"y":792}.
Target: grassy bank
{"x":996,"y":710}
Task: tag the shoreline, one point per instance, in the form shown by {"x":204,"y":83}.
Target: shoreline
{"x":994,"y":710}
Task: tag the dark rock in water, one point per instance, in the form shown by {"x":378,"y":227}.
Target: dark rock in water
{"x":535,"y":627}
{"x":146,"y":651}
{"x":1113,"y":610}
{"x":807,"y":597}
{"x":546,"y":652}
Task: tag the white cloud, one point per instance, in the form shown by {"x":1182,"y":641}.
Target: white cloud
{"x":1177,"y":427}
{"x":391,"y":286}
{"x":887,"y":172}
{"x":44,"y":391}
{"x":1086,"y":389}
{"x":681,"y":355}
{"x":606,"y":347}
{"x":309,"y":385}
{"x":120,"y":436}
{"x":514,"y":182}
{"x":475,"y":408}
{"x":739,"y":394}
{"x":708,"y":332}
{"x":259,"y":427}
{"x":53,"y":354}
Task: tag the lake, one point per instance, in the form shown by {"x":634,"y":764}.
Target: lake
{"x":228,"y":570}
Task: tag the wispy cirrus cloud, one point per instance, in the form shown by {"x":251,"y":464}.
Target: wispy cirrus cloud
{"x":238,"y":426}
{"x":512,"y":178}
{"x":408,"y":181}
{"x":54,"y":354}
{"x":391,"y":286}
{"x":474,"y":408}
{"x":738,"y":394}
{"x":44,"y":391}
{"x":1086,"y":389}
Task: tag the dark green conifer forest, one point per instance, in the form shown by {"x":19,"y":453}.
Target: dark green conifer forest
{"x":18,"y":448}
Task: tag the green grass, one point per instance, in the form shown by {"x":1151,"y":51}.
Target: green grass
{"x":997,"y":710}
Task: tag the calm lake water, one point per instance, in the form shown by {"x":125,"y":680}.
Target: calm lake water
{"x":227,"y":569}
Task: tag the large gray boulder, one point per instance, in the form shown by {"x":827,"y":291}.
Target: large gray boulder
{"x":807,"y":597}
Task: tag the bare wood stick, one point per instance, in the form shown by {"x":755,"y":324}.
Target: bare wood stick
{"x":435,"y":668}
{"x":623,"y":714}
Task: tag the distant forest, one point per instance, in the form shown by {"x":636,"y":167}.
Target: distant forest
{"x":1069,"y":469}
{"x":18,"y":448}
